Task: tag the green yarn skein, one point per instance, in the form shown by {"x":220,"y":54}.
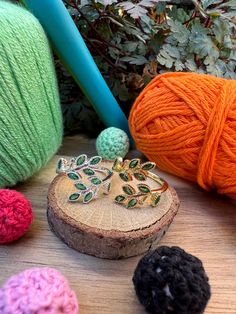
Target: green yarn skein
{"x":30,"y":114}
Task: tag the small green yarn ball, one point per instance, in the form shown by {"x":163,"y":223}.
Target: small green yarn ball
{"x":30,"y":113}
{"x":112,"y":143}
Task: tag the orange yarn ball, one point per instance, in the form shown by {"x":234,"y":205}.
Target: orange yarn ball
{"x":186,"y":123}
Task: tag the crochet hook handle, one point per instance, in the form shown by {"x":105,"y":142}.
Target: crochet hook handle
{"x":70,"y":47}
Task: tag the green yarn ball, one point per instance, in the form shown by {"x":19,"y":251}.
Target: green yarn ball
{"x":30,"y":114}
{"x":112,"y":143}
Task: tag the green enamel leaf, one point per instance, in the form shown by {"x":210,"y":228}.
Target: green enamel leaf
{"x":95,"y":160}
{"x":96,"y":181}
{"x":148,"y":165}
{"x":80,"y":160}
{"x":128,"y":189}
{"x":120,"y":198}
{"x":124,"y":176}
{"x":144,"y":188}
{"x":88,"y":171}
{"x":156,"y":201}
{"x":61,"y":165}
{"x":80,"y":186}
{"x":139,"y":176}
{"x":134,"y":163}
{"x":132,"y":203}
{"x":73,"y":176}
{"x":74,"y":197}
{"x":88,"y":197}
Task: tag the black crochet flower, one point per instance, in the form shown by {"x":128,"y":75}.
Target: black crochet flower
{"x":171,"y":281}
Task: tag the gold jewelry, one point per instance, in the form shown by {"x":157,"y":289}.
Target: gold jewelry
{"x":80,"y":168}
{"x":133,"y":168}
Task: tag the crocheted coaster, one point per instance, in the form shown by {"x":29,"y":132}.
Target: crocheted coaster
{"x":103,"y":228}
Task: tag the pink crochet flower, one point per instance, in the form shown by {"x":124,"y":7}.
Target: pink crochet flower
{"x":38,"y":291}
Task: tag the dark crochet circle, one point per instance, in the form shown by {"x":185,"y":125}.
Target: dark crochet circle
{"x":171,"y":281}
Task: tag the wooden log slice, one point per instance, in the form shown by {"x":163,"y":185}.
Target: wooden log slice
{"x":103,"y":228}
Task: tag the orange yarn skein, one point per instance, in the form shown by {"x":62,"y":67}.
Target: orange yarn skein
{"x":186,"y":123}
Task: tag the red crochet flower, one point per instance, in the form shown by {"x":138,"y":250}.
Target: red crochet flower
{"x":15,"y":215}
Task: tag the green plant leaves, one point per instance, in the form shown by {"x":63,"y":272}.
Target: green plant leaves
{"x":204,"y":46}
{"x":136,"y":59}
{"x":169,"y":56}
{"x":207,"y":3}
{"x":133,"y":34}
{"x":134,"y":9}
{"x":107,"y":2}
{"x":179,"y":31}
{"x":179,"y":14}
{"x":120,"y":90}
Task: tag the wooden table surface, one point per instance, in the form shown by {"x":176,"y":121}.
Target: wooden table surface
{"x":205,"y":226}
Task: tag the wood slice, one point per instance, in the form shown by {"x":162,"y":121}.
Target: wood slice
{"x":103,"y":228}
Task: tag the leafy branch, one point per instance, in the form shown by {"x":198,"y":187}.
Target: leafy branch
{"x":132,"y":41}
{"x":133,"y":198}
{"x":74,"y":170}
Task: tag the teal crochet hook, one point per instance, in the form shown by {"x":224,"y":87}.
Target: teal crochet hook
{"x":70,"y":47}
